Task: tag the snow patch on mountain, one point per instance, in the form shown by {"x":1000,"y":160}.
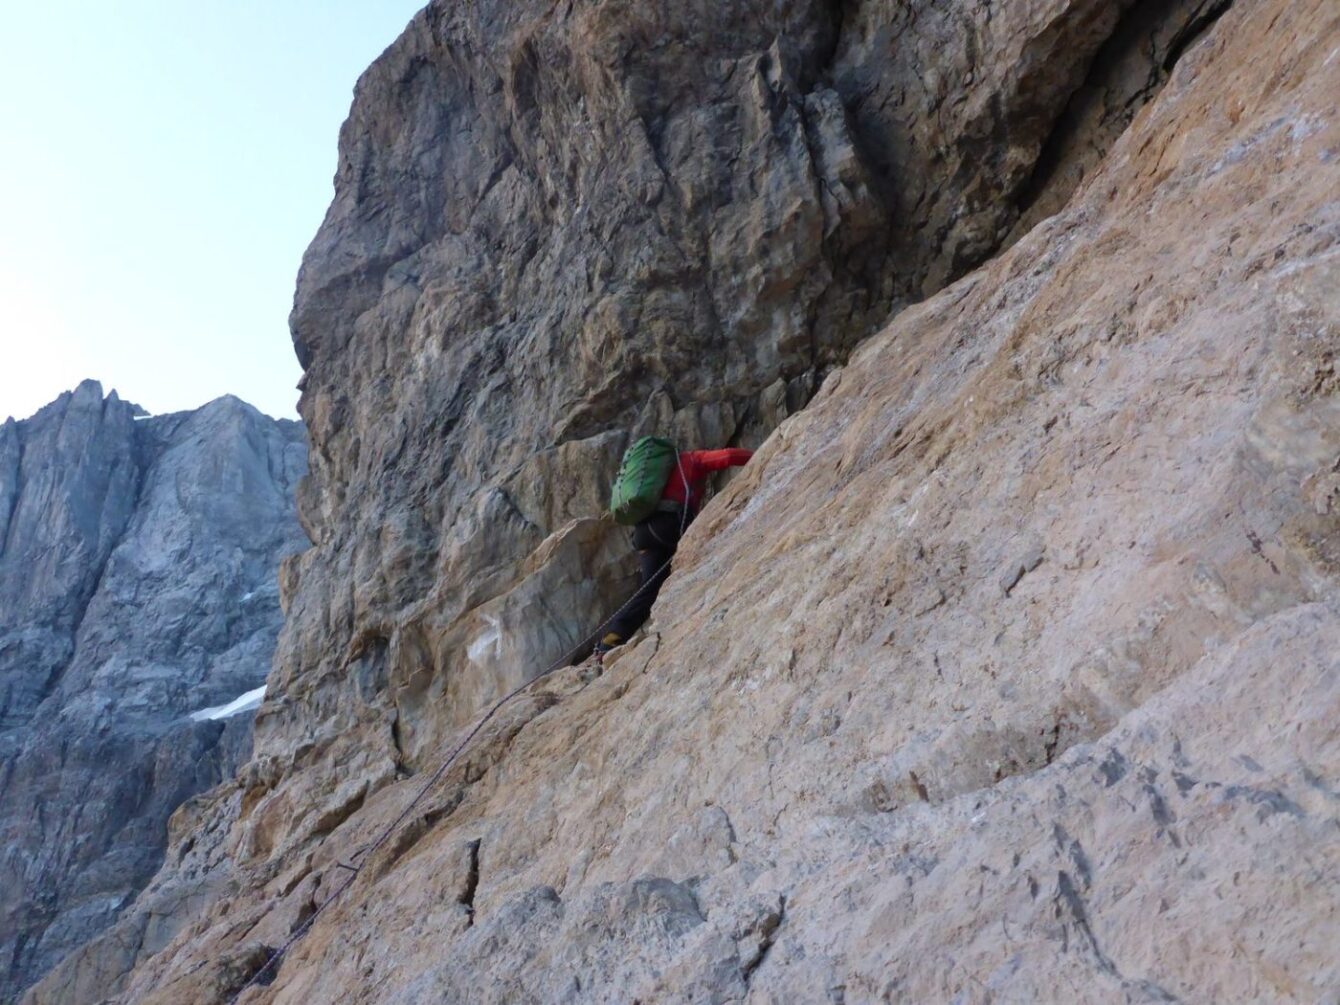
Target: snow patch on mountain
{"x":248,"y":702}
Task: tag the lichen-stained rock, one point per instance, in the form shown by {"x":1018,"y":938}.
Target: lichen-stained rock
{"x":1006,"y":671}
{"x":137,"y":585}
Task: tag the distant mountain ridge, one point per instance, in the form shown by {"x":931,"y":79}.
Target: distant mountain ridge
{"x":138,"y":584}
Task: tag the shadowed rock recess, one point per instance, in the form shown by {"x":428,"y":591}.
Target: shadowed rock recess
{"x":1006,"y":671}
{"x":137,"y":585}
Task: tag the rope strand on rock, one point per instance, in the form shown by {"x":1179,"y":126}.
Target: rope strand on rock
{"x":385,"y":835}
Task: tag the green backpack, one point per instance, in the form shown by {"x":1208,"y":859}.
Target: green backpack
{"x":642,"y":477}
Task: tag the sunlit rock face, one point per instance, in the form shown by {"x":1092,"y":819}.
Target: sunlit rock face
{"x":554,"y":228}
{"x":1004,"y":672}
{"x":138,"y":560}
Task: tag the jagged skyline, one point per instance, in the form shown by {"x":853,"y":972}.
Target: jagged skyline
{"x":139,"y":606}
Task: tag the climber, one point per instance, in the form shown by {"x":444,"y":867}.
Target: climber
{"x":658,"y":492}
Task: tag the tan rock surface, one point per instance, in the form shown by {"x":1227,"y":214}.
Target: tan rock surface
{"x":556,"y":226}
{"x":1008,"y":671}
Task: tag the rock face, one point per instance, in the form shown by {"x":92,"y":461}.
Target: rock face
{"x":554,"y":228}
{"x":1007,"y":670}
{"x":137,"y":585}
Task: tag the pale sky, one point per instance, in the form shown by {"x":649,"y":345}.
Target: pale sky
{"x":163,"y":165}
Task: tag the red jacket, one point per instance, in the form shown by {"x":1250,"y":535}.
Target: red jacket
{"x":697,"y":465}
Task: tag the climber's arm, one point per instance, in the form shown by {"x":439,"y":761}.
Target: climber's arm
{"x":717,"y":460}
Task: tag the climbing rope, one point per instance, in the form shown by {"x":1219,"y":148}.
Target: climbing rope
{"x":385,"y":835}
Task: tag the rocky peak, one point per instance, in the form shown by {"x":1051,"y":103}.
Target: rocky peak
{"x":137,"y":585}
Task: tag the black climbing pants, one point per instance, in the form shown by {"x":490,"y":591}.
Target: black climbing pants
{"x":655,"y":539}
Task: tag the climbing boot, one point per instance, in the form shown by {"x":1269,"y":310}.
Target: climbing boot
{"x":610,"y":641}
